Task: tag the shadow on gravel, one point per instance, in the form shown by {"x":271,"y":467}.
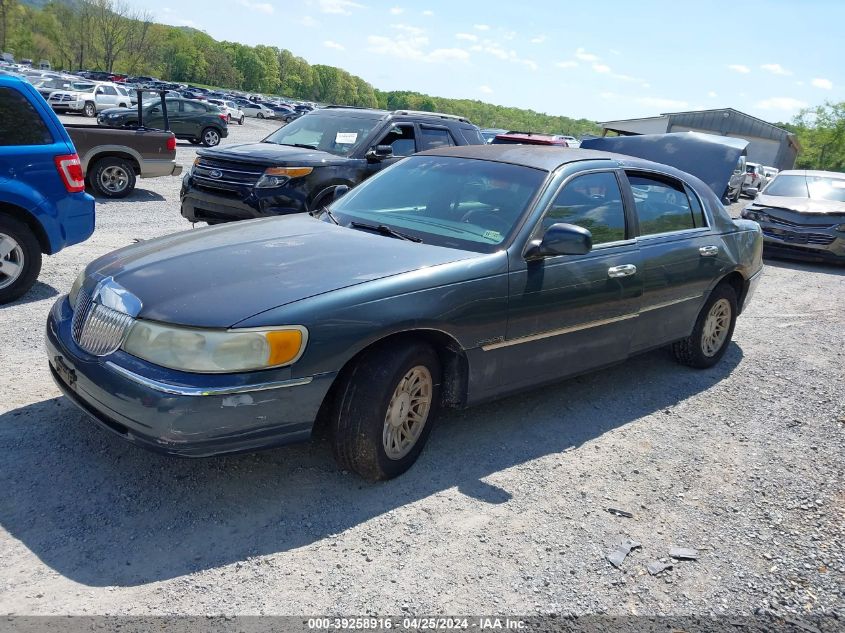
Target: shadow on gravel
{"x":826,"y":268}
{"x":138,"y":195}
{"x":38,"y":292}
{"x":102,"y":512}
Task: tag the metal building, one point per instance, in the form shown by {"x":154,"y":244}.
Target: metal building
{"x":768,"y":144}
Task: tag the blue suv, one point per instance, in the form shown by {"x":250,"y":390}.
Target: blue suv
{"x":43,"y":204}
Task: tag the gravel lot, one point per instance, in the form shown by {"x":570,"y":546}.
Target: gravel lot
{"x":504,"y":513}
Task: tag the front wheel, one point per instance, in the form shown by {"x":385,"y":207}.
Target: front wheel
{"x":384,"y":409}
{"x":241,"y":120}
{"x":20,"y":259}
{"x":210,"y":137}
{"x":89,"y":110}
{"x":112,"y":177}
{"x":260,"y":115}
{"x":712,"y":332}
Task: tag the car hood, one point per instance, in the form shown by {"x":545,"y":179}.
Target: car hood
{"x":272,"y":154}
{"x":218,"y":276}
{"x":801,"y":205}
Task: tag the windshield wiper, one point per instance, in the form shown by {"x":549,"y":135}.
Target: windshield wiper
{"x":384,"y":230}
{"x":302,"y":145}
{"x":325,"y":210}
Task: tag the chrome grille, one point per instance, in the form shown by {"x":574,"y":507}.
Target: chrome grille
{"x":97,"y":329}
{"x":801,"y":225}
{"x":821,"y":239}
{"x":218,"y":174}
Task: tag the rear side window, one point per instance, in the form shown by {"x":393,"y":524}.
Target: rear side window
{"x":594,"y":202}
{"x":20,"y":123}
{"x":473,"y":135}
{"x":189,"y":106}
{"x":663,"y":205}
{"x":434,"y":137}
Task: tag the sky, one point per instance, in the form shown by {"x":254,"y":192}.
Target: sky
{"x":603,"y":61}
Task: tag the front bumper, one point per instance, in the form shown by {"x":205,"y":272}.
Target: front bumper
{"x":808,"y":244}
{"x":64,"y":106}
{"x":156,"y":168}
{"x":182,"y":414}
{"x":237,"y":203}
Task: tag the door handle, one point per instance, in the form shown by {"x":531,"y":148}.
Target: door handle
{"x":625,"y":270}
{"x":709,"y":251}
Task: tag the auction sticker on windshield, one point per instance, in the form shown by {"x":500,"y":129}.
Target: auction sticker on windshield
{"x":346,"y":138}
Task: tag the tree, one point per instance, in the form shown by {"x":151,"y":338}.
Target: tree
{"x":7,"y":8}
{"x":821,"y":132}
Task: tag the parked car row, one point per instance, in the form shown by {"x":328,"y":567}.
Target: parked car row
{"x":502,"y":136}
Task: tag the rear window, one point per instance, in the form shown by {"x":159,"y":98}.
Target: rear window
{"x":20,"y":122}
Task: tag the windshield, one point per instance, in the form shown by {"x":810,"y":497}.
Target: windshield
{"x":447,"y":201}
{"x":815,"y":187}
{"x":336,"y":134}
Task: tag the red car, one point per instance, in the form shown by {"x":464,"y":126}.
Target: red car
{"x":527,"y":138}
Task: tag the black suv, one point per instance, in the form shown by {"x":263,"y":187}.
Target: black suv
{"x":299,"y":166}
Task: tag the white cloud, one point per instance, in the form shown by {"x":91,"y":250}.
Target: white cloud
{"x":786,"y":104}
{"x":339,"y":7}
{"x":410,"y":42}
{"x":567,"y":64}
{"x":538,"y":39}
{"x":712,"y":94}
{"x":663,"y":104}
{"x":428,"y":13}
{"x":335,"y":45}
{"x":260,"y":7}
{"x":601,"y":68}
{"x":486,"y":90}
{"x":490,"y":47}
{"x":584,"y":56}
{"x":509,"y":35}
{"x":613,"y":51}
{"x":397,"y":11}
{"x":308,"y":21}
{"x":645,"y":85}
{"x":447,"y":55}
{"x":469,"y":37}
{"x":739,"y":68}
{"x":481,"y":27}
{"x":826,"y":84}
{"x":776,"y":69}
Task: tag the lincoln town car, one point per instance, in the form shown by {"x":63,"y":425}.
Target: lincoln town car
{"x":452,"y":277}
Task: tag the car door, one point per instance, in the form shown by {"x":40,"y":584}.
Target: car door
{"x":571,"y":313}
{"x":401,"y":137}
{"x":192,"y":118}
{"x":434,"y":137}
{"x":681,"y":257}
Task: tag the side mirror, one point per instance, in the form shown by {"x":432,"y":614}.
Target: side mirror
{"x":561,"y":239}
{"x":339,"y":192}
{"x":379,"y":153}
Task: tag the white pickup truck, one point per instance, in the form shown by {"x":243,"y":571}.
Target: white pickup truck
{"x":90,"y":97}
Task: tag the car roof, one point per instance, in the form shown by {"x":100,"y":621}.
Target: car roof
{"x":528,"y":137}
{"x":811,"y":172}
{"x":547,"y":158}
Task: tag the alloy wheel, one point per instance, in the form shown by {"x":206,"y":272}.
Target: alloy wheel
{"x":11,"y":260}
{"x":114,"y":179}
{"x":716,"y":327}
{"x":407,"y":412}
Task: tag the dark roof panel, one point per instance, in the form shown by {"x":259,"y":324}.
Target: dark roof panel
{"x":547,"y":158}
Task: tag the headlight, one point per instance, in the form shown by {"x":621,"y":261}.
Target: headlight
{"x":74,"y":289}
{"x":215,"y":351}
{"x":841,"y":228}
{"x":278,"y":176}
{"x":751,"y":214}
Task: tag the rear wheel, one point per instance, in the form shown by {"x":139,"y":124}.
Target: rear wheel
{"x":210,"y":137}
{"x":384,"y":410}
{"x":112,"y":177}
{"x":241,"y":120}
{"x":712,"y":332}
{"x":260,"y":115}
{"x":20,"y":259}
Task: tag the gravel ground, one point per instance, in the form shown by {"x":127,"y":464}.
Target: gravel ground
{"x":505,"y":511}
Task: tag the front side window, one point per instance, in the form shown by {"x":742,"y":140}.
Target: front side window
{"x":662,"y":204}
{"x":20,"y":123}
{"x":401,"y":139}
{"x":448,"y":201}
{"x":434,"y":137}
{"x":193,"y":108}
{"x":594,"y":202}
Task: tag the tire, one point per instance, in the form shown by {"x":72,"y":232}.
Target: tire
{"x":260,"y":115}
{"x":89,"y":110}
{"x":20,"y":259}
{"x":241,"y":120}
{"x":112,"y":177}
{"x":210,"y":137}
{"x":706,"y":346}
{"x":372,"y":402}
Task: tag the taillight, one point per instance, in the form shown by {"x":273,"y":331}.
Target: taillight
{"x":171,"y":144}
{"x":223,"y":117}
{"x":70,"y":171}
